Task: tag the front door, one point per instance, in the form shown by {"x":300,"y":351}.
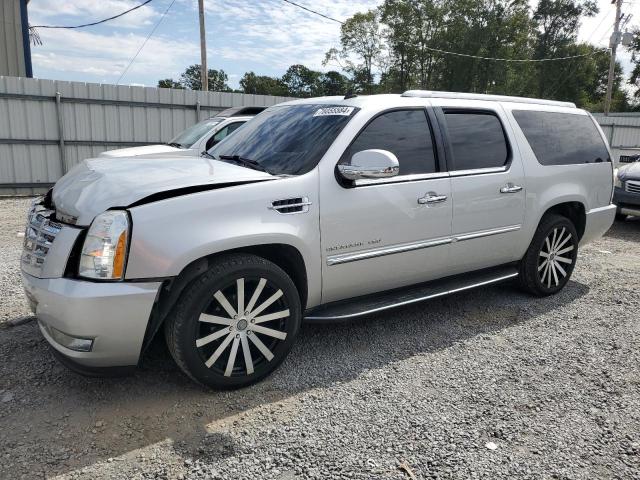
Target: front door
{"x":488,"y":187}
{"x":387,"y":233}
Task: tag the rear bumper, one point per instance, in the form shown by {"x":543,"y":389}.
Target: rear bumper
{"x":598,"y":221}
{"x":113,"y":315}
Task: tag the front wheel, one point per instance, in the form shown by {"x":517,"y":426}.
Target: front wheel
{"x":547,"y":266}
{"x":236,"y":323}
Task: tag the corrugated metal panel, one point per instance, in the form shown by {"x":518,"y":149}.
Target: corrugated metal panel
{"x":29,"y":133}
{"x":11,"y":48}
{"x":623,"y":132}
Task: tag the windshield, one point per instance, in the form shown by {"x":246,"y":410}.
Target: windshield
{"x":194,"y":133}
{"x":287,"y":139}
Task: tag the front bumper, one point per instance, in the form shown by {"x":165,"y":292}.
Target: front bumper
{"x":598,"y":221}
{"x":113,"y":315}
{"x":628,"y":203}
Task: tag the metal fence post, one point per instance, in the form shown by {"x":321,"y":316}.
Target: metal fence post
{"x":197,"y":111}
{"x":63,"y":155}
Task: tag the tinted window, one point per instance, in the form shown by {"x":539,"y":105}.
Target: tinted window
{"x":194,"y":133}
{"x":287,"y":139}
{"x":222,"y":133}
{"x":562,"y":138}
{"x":477,"y":140}
{"x":405,"y":133}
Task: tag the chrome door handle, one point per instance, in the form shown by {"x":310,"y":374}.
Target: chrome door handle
{"x":510,"y":188}
{"x":432,"y":197}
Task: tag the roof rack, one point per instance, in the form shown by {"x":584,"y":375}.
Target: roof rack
{"x":481,"y":96}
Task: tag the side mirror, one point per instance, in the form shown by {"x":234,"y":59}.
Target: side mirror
{"x":370,"y":164}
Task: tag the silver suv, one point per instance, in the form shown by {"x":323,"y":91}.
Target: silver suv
{"x":317,"y":209}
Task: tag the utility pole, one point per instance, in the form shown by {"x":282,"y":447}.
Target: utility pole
{"x":615,"y":40}
{"x":204,"y":81}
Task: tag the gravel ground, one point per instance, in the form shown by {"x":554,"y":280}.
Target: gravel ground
{"x":488,"y":384}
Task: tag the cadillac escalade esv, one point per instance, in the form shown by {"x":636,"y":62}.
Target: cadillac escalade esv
{"x":318,"y":209}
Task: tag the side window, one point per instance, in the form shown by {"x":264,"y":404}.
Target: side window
{"x":562,"y":138}
{"x":477,"y":140}
{"x":405,"y":133}
{"x":221,"y":134}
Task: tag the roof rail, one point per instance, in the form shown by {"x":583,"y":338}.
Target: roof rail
{"x":240,"y":111}
{"x":488,"y":98}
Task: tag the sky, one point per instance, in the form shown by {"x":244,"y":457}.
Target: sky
{"x":264,"y":36}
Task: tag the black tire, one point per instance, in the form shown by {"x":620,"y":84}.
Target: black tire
{"x":540,"y":277}
{"x":185,"y":326}
{"x":621,"y":217}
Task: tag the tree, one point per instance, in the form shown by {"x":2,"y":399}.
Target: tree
{"x":333,"y":83}
{"x":190,"y":79}
{"x":216,"y":79}
{"x":262,"y":85}
{"x":169,"y":83}
{"x":634,"y":79}
{"x":301,"y":81}
{"x":360,"y":36}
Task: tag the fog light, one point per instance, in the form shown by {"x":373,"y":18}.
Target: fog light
{"x":67,"y":341}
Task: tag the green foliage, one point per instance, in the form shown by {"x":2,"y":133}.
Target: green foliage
{"x":262,"y":85}
{"x":190,"y":79}
{"x":169,"y":83}
{"x":634,"y":80}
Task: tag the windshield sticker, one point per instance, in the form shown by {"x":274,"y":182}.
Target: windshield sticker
{"x":341,"y":111}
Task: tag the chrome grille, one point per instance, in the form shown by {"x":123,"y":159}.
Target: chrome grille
{"x":632,"y":186}
{"x":39,"y":236}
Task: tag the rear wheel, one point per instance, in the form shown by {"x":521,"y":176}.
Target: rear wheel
{"x":548,"y":264}
{"x":236,"y":323}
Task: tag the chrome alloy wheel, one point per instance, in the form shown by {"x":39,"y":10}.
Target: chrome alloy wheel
{"x":230,"y":324}
{"x":556,"y":254}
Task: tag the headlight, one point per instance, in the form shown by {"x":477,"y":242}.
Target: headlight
{"x":616,"y":180}
{"x":105,"y":248}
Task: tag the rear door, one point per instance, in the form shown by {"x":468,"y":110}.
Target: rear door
{"x":487,"y":185}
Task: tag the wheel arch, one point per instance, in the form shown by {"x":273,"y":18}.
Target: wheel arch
{"x":573,"y":210}
{"x":286,"y":256}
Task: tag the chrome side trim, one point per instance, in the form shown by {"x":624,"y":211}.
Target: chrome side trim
{"x":401,"y":178}
{"x":486,"y":233}
{"x":415,"y":300}
{"x":408,"y":247}
{"x":479,"y":171}
{"x":380,"y":252}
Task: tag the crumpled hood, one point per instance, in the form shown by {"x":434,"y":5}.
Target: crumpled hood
{"x":97,"y":184}
{"x":143,"y":150}
{"x":629,"y":172}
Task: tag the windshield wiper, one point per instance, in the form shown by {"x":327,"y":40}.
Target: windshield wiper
{"x":204,"y":153}
{"x":175,"y":144}
{"x":245,"y":162}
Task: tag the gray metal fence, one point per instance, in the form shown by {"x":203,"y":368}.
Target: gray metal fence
{"x":623,"y":132}
{"x":48,"y":126}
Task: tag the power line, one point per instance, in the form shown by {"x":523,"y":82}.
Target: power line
{"x":313,"y":11}
{"x":95,"y":23}
{"x":446,"y":52}
{"x":529,"y":60}
{"x":146,"y":40}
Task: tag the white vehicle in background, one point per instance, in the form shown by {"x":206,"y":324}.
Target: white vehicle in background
{"x":195,"y":139}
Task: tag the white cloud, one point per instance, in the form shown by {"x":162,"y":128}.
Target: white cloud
{"x":44,"y":12}
{"x":280,"y":34}
{"x":85,"y":52}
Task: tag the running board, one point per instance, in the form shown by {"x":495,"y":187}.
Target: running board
{"x":377,"y":302}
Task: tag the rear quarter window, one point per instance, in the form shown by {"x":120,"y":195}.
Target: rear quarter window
{"x":562,"y":138}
